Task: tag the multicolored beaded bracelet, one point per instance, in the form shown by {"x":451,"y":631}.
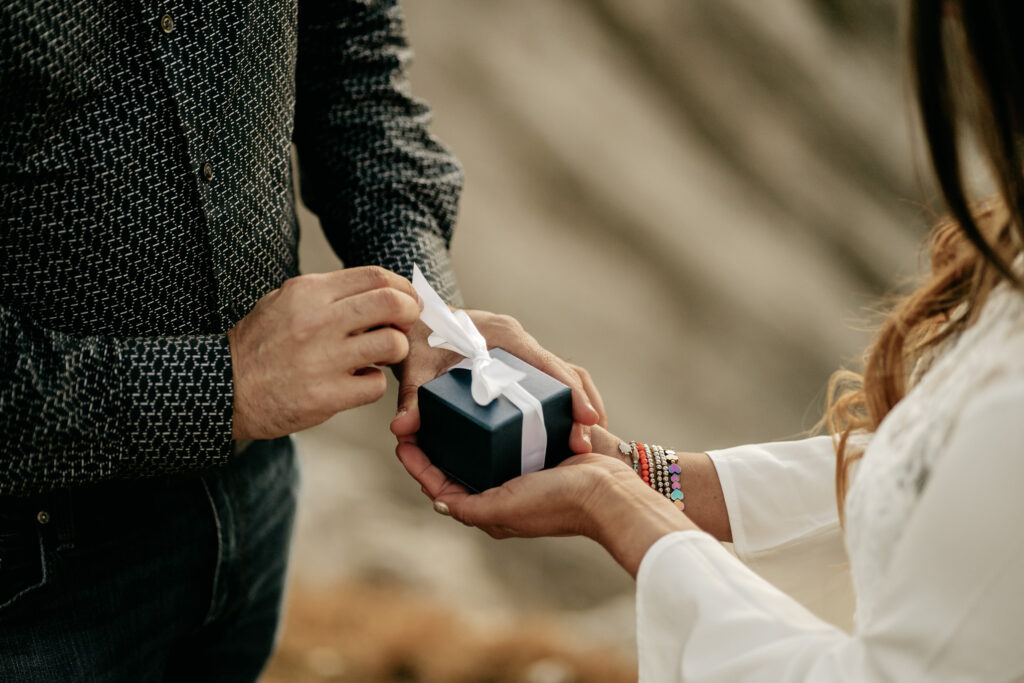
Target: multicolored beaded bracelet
{"x":659,"y":468}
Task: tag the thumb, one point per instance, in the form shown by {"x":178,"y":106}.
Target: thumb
{"x":407,"y":419}
{"x":408,"y":396}
{"x":579,"y":438}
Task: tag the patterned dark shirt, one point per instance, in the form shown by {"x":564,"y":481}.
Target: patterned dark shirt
{"x":147,"y":205}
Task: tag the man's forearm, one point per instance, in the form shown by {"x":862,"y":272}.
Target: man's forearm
{"x":385,"y":189}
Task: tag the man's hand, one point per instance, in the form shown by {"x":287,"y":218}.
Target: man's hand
{"x":307,"y":350}
{"x":425,"y":363}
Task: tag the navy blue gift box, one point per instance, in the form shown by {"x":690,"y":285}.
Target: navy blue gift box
{"x":481,"y":446}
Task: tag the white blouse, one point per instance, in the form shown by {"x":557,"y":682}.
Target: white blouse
{"x":933,"y":537}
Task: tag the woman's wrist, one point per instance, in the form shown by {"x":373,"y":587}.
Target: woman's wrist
{"x":628,"y":517}
{"x":700,"y":486}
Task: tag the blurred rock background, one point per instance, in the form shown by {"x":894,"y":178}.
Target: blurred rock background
{"x":694,"y":199}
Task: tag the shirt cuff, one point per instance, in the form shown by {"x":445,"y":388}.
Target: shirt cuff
{"x":177,"y":403}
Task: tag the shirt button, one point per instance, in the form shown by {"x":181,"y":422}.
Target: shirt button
{"x":167,"y":23}
{"x":43,"y":517}
{"x":207,"y":171}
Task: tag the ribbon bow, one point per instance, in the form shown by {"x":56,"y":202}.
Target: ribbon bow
{"x":491,"y":377}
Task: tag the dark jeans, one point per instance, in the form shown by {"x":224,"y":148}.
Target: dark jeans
{"x":149,"y":580}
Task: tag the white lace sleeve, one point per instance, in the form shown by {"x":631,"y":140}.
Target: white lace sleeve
{"x":949,"y":604}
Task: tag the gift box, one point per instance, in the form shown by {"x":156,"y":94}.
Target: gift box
{"x":480,"y":446}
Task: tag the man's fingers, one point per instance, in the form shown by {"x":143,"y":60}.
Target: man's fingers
{"x":344,"y":283}
{"x":323,"y":288}
{"x":377,"y":308}
{"x":367,"y":385}
{"x":385,"y":346}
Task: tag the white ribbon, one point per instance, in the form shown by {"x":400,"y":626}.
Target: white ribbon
{"x":492,"y":378}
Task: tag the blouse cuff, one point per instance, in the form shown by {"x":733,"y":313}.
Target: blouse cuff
{"x":727,"y":479}
{"x":664,"y":543}
{"x":778,"y":494}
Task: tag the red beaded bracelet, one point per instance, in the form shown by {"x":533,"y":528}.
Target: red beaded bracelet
{"x":659,"y":468}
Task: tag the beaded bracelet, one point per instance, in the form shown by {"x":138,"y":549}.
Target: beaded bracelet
{"x":659,"y":468}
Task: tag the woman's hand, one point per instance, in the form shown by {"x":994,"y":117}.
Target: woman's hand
{"x":425,"y":363}
{"x":606,"y":443}
{"x":705,"y":501}
{"x":555,"y":502}
{"x":589,"y":495}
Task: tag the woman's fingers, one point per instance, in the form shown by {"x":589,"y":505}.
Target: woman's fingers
{"x":546,"y":503}
{"x":606,"y":443}
{"x":405,"y":425}
{"x":580,"y":438}
{"x":483,"y":510}
{"x":506,"y":332}
{"x":583,"y":410}
{"x":433,"y":480}
{"x":592,"y":393}
{"x":419,"y":468}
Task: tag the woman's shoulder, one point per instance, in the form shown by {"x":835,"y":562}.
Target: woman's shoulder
{"x":983,"y":368}
{"x":988,"y":352}
{"x":983,"y":365}
{"x":975,"y":386}
{"x":995,"y":343}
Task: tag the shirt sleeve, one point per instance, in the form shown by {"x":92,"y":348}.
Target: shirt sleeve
{"x":948,"y":609}
{"x":385,"y":189}
{"x":78,"y":410}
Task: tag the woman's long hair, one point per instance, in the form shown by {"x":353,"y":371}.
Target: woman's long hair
{"x":967,"y":58}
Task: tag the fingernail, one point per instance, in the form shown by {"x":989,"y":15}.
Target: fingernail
{"x":441,"y":508}
{"x":586,"y":437}
{"x":591,"y":406}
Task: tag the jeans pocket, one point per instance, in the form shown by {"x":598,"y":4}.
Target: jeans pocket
{"x":22,"y":563}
